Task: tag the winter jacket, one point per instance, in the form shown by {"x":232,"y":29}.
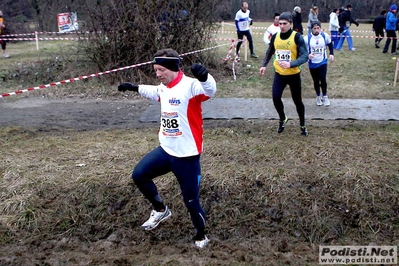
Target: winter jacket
{"x":297,"y":22}
{"x":334,"y":23}
{"x":379,"y":23}
{"x":390,"y":21}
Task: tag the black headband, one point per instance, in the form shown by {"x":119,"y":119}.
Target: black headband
{"x":171,"y":63}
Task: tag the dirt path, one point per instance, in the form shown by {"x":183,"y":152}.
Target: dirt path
{"x":77,"y":114}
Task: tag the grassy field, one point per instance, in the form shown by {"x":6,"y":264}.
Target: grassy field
{"x":67,"y":197}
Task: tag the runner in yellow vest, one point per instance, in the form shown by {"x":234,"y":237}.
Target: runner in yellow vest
{"x":290,"y":52}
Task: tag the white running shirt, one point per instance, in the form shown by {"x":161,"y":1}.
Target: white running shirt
{"x":242,"y":20}
{"x":181,"y":132}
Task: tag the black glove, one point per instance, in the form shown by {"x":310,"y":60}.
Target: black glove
{"x":199,"y":72}
{"x":127,"y":86}
{"x":250,"y":23}
{"x":357,"y":24}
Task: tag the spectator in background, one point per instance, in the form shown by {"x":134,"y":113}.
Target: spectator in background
{"x":314,"y":11}
{"x":243,"y":21}
{"x":390,"y":28}
{"x":379,"y":27}
{"x":334,"y":27}
{"x":272,"y":29}
{"x":345,"y":21}
{"x":3,"y":42}
{"x":317,"y":43}
{"x":297,"y":20}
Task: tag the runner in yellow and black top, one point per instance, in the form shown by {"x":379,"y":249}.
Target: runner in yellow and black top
{"x":290,"y":52}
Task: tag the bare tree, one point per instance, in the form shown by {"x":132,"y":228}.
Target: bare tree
{"x":127,"y":32}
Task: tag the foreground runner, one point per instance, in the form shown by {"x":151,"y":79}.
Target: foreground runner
{"x":180,"y":136}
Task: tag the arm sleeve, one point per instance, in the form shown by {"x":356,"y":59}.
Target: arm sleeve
{"x":266,"y":38}
{"x":149,"y":91}
{"x":330,"y":47}
{"x":238,"y":29}
{"x":301,"y":50}
{"x":270,"y":51}
{"x":209,"y":86}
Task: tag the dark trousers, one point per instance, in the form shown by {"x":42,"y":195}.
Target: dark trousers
{"x":3,"y":44}
{"x":319,"y":76}
{"x":391,"y":36}
{"x":188,"y":173}
{"x":279,"y":84}
{"x":240,"y":35}
{"x":379,"y":35}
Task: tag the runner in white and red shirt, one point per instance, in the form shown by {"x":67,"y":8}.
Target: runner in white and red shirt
{"x":180,"y":136}
{"x":272,"y":29}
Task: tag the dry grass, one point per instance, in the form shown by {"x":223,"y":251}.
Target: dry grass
{"x":67,"y":199}
{"x":269,"y":197}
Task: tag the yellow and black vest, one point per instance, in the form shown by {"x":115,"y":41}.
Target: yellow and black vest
{"x":286,"y":50}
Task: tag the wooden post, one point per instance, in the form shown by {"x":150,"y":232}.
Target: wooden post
{"x":245,"y":49}
{"x":396,"y":72}
{"x":37,"y":41}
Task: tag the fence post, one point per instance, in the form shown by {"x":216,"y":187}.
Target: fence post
{"x":37,"y":41}
{"x":396,"y":72}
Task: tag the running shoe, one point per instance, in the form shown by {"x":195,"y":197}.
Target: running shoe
{"x":202,"y":243}
{"x":156,"y":218}
{"x":282,"y":125}
{"x":254,"y":56}
{"x":304,"y":131}
{"x":319,"y":101}
{"x":326,"y":101}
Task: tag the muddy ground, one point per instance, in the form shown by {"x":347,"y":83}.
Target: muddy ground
{"x":71,"y":115}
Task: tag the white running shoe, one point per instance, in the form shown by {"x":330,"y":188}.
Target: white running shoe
{"x":326,"y":101}
{"x":353,"y":49}
{"x":6,"y":55}
{"x":319,"y":101}
{"x":156,"y":218}
{"x":202,"y":243}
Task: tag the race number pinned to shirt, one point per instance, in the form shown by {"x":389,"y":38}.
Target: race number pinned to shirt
{"x":170,"y":124}
{"x":318,"y":50}
{"x":283,"y":55}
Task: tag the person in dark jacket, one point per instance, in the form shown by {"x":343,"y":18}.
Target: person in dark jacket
{"x":379,"y":27}
{"x":345,"y":21}
{"x":297,"y":20}
{"x":390,"y":28}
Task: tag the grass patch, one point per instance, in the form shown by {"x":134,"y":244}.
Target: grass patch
{"x":273,"y":194}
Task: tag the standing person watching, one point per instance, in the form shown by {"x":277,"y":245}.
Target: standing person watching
{"x":272,"y":29}
{"x":390,"y":28}
{"x":317,"y":43}
{"x":334,"y":26}
{"x":243,"y":21}
{"x":290,"y":52}
{"x":3,"y":42}
{"x":313,"y":12}
{"x":345,"y":21}
{"x":180,"y":137}
{"x":379,"y":27}
{"x":297,"y":20}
